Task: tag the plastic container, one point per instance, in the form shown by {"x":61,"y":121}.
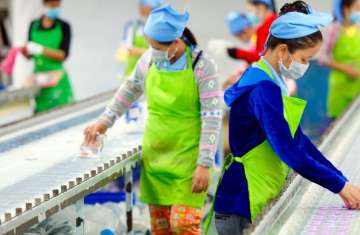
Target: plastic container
{"x":87,"y":150}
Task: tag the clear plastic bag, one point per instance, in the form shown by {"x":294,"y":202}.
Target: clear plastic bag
{"x":94,"y":149}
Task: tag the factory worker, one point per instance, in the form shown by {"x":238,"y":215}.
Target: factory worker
{"x":241,"y":26}
{"x":181,"y":134}
{"x":134,"y":39}
{"x":341,"y":53}
{"x":49,"y":46}
{"x":265,"y":137}
{"x":265,"y":14}
{"x":134,"y":45}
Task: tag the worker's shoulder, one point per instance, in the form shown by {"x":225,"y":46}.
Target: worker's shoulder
{"x":64,"y":24}
{"x":266,"y":90}
{"x":35,"y":21}
{"x":205,"y":65}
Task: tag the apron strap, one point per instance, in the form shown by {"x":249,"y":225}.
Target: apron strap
{"x":197,"y":59}
{"x":229,"y":160}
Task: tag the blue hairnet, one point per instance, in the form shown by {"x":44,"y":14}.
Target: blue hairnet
{"x":151,"y":3}
{"x":238,"y":22}
{"x":268,"y":3}
{"x":296,"y":25}
{"x":165,"y":24}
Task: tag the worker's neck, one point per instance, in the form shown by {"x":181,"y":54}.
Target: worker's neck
{"x":268,"y":15}
{"x":272,"y":59}
{"x":346,"y":23}
{"x":47,"y":22}
{"x":180,"y":51}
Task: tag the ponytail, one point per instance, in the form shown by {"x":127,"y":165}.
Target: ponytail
{"x":189,"y":38}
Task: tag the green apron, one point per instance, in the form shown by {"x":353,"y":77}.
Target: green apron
{"x":265,"y":172}
{"x":171,"y":139}
{"x":343,"y":89}
{"x":139,"y":42}
{"x":62,"y":93}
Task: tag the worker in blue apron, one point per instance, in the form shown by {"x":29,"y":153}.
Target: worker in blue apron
{"x":265,"y":137}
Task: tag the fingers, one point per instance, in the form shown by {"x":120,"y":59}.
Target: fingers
{"x":195,"y":185}
{"x":90,"y":135}
{"x":199,"y":185}
{"x":351,"y":202}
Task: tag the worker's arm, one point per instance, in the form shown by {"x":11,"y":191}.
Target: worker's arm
{"x":211,"y":118}
{"x":241,"y":54}
{"x":349,"y":70}
{"x":128,"y":93}
{"x":211,"y":111}
{"x":136,"y":51}
{"x":267,"y":106}
{"x":314,"y":152}
{"x":54,"y":54}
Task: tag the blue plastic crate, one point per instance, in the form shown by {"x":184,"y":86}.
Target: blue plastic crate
{"x":103,"y":197}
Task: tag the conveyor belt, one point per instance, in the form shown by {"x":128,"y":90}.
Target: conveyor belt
{"x":306,"y":208}
{"x":41,"y":172}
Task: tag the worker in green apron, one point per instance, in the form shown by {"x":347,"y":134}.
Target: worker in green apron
{"x":134,"y":41}
{"x":182,"y":131}
{"x":49,"y":45}
{"x":341,"y":52}
{"x":265,"y":136}
{"x":133,"y":47}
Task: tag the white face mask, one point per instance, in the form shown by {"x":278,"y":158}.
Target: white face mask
{"x":159,"y":56}
{"x":295,"y":71}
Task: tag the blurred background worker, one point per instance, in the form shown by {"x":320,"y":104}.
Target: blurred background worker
{"x":133,"y":47}
{"x":49,"y":45}
{"x":134,"y":42}
{"x":242,"y":27}
{"x":265,"y":14}
{"x":341,"y":52}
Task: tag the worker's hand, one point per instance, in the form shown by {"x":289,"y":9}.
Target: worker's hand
{"x":136,"y":51}
{"x":91,"y":132}
{"x":200,"y":181}
{"x":351,"y":196}
{"x":352,"y":72}
{"x":33,"y":48}
{"x":122,"y":54}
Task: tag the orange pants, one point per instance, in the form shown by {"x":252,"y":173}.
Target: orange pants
{"x":175,"y":220}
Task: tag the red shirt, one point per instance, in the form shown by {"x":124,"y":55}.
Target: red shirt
{"x":262,"y":33}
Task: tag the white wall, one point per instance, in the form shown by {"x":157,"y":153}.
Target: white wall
{"x":97,"y":28}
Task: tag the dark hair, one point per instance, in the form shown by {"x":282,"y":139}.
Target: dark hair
{"x":297,"y":43}
{"x":188,"y":38}
{"x":347,"y":3}
{"x":273,"y":4}
{"x":297,"y":6}
{"x":46,"y":1}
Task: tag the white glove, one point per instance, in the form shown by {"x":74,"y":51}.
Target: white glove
{"x":34,"y":48}
{"x":219,"y":47}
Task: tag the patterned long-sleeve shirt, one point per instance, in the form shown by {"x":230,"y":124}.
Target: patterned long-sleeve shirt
{"x":210,"y":96}
{"x":330,"y":38}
